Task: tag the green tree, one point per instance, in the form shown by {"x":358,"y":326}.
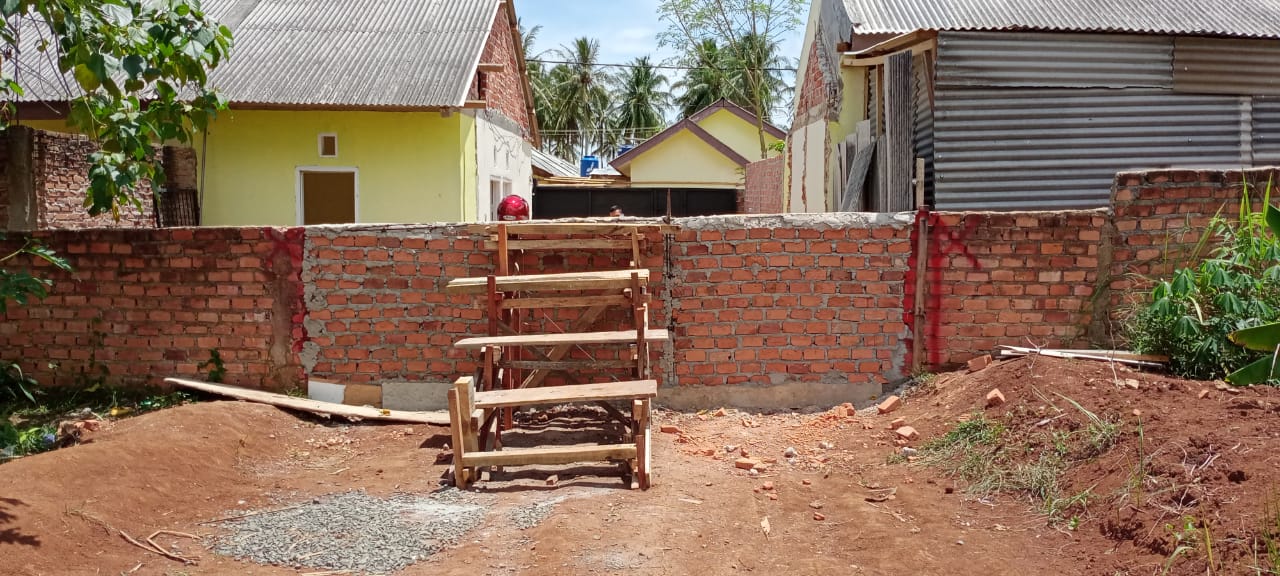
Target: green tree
{"x":743,"y":27}
{"x":640,"y":101}
{"x":579,"y":97}
{"x":707,"y":80}
{"x":133,"y":71}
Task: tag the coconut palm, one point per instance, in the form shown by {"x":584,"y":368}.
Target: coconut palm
{"x":640,"y":101}
{"x":755,"y":76}
{"x":707,"y":80}
{"x":580,"y":96}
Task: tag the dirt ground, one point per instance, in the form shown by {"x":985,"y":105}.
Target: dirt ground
{"x":1211,"y":457}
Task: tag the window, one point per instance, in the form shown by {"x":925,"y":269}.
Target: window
{"x":499,"y":188}
{"x":328,"y":145}
{"x":327,"y":196}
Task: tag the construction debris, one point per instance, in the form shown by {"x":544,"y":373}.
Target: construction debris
{"x":314,"y":406}
{"x":889,"y":405}
{"x":907,"y":433}
{"x":979,"y":363}
{"x":1119,"y":356}
{"x":995,"y":398}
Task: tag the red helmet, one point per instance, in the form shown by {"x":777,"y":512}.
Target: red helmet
{"x":513,"y":208}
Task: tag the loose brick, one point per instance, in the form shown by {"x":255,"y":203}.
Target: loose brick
{"x":907,"y":433}
{"x":746,"y":463}
{"x":979,"y":363}
{"x":995,"y":398}
{"x":889,"y":405}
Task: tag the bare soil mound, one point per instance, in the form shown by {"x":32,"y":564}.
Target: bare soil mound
{"x":1155,"y":474}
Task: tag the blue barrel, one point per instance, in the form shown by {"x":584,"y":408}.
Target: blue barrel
{"x":588,"y":164}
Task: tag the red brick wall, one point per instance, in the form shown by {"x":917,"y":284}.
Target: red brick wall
{"x":60,"y":167}
{"x":1008,"y":278}
{"x":147,"y":304}
{"x":819,"y":299}
{"x":777,"y":299}
{"x":813,"y":89}
{"x":1161,"y":215}
{"x":763,"y":191}
{"x":504,"y":90}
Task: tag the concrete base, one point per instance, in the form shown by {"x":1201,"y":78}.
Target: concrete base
{"x":788,"y":396}
{"x":326,"y":391}
{"x":416,"y":396}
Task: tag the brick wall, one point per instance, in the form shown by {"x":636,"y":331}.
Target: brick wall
{"x":763,"y":191}
{"x":1008,"y":278}
{"x":813,"y":99}
{"x":60,"y":168}
{"x":504,"y":89}
{"x":1160,"y":217}
{"x":764,"y":310}
{"x":146,"y":304}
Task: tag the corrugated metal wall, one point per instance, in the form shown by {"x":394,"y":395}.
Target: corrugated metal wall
{"x":923,"y":137}
{"x":1226,"y":66}
{"x":1266,"y":130}
{"x":1054,"y":60}
{"x":1024,"y":124}
{"x":1001,"y":149}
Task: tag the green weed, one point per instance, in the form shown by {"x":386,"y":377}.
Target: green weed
{"x":217,"y":370}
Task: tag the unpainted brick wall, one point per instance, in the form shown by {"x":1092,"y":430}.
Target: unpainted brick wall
{"x":750,"y":300}
{"x":504,"y":89}
{"x":763,"y":191}
{"x":60,"y":167}
{"x":1008,"y":278}
{"x":147,"y":304}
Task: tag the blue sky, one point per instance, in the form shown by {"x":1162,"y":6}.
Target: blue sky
{"x":626,"y":28}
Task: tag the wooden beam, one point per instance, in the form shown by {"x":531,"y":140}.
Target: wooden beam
{"x":565,"y":364}
{"x":312,"y":406}
{"x":563,"y":244}
{"x":566,"y":338}
{"x":629,"y":390}
{"x":610,"y":229}
{"x":475,"y":104}
{"x":490,"y":67}
{"x":552,"y":455}
{"x":567,"y":302}
{"x":606,"y":280}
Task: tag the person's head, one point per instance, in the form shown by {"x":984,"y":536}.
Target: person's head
{"x":615,"y":210}
{"x":513,"y":208}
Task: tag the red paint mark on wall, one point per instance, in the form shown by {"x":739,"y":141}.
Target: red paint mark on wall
{"x":945,"y":242}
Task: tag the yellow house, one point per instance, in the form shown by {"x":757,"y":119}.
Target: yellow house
{"x":707,"y":150}
{"x":370,"y":111}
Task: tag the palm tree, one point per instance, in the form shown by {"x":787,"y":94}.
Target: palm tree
{"x":580,"y":98}
{"x":527,"y":37}
{"x":641,"y":101}
{"x":755,"y":76}
{"x":707,"y":80}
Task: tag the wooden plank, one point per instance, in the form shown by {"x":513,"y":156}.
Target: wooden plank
{"x":565,"y":364}
{"x":490,"y":67}
{"x":460,"y":476}
{"x":567,"y":338}
{"x":563,"y":244}
{"x":644,"y":448}
{"x":564,"y":302}
{"x":475,"y":105}
{"x":550,"y":455}
{"x":609,"y":229}
{"x":627,"y":390}
{"x":312,"y":406}
{"x":922,"y":269}
{"x":602,"y":280}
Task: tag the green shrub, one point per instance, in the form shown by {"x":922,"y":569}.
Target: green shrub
{"x":1191,"y":315}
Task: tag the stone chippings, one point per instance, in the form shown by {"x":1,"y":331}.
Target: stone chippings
{"x":526,"y":517}
{"x":353,"y":531}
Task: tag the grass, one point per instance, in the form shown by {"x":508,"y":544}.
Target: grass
{"x":30,"y":426}
{"x":1269,"y":532}
{"x":982,"y":453}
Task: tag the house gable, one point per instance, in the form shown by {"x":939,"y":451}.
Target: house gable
{"x":506,"y":89}
{"x":685,"y":159}
{"x":736,"y":132}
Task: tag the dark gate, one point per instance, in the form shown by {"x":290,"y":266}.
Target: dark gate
{"x":558,"y":202}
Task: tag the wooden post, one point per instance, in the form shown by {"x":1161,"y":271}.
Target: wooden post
{"x":640,"y":425}
{"x":922,"y":268}
{"x":640,"y":313}
{"x":455,"y":428}
{"x":504,"y":261}
{"x":920,"y":183}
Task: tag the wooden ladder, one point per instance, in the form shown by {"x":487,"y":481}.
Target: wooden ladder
{"x":513,"y":365}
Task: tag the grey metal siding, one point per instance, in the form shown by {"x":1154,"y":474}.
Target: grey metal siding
{"x":1266,"y":131}
{"x":1007,"y":149}
{"x":1226,"y":66}
{"x":923,"y":141}
{"x":1054,"y":60}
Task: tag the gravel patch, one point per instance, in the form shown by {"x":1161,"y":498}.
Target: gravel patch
{"x":528,"y":516}
{"x":354,"y":531}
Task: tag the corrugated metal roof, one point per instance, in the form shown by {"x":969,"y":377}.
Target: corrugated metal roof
{"x":353,"y":53}
{"x":553,"y":165}
{"x":1247,"y":18}
{"x":1266,"y":131}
